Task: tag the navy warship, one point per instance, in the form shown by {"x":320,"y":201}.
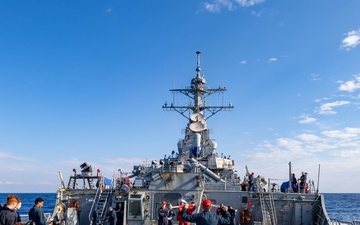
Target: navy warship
{"x":194,"y":173}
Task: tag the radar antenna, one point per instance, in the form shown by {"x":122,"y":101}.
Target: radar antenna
{"x":198,"y":69}
{"x":198,"y":93}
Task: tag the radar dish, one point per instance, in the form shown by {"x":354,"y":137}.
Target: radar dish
{"x":197,"y":127}
{"x":197,"y":117}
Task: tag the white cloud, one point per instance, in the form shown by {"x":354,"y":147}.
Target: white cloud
{"x":289,"y":143}
{"x":353,"y":130}
{"x":349,"y":154}
{"x":314,"y":77}
{"x":307,"y":120}
{"x":342,"y":134}
{"x":308,"y":137}
{"x":272,"y":60}
{"x":351,"y":41}
{"x":258,"y":13}
{"x":337,"y":151}
{"x":212,"y":7}
{"x":243,"y":62}
{"x":322,"y":99}
{"x":327,"y":108}
{"x":8,"y":157}
{"x":351,"y":85}
{"x":216,"y":5}
{"x":247,"y":3}
{"x":281,"y":24}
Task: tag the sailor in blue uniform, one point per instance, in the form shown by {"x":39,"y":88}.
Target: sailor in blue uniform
{"x":36,"y":214}
{"x":163,"y":214}
{"x":294,"y":182}
{"x":8,"y":211}
{"x":251,"y":182}
{"x":232,"y":213}
{"x":206,"y":217}
{"x":96,"y":217}
{"x":112,"y":216}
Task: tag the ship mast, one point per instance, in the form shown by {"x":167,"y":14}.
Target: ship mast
{"x":198,"y":92}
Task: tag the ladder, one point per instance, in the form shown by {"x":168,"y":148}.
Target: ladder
{"x":321,"y":217}
{"x":102,"y":201}
{"x":72,"y":183}
{"x":270,"y":205}
{"x":272,"y":209}
{"x":263,"y":206}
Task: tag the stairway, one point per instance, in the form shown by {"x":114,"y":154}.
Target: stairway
{"x":102,"y":202}
{"x":268,"y":208}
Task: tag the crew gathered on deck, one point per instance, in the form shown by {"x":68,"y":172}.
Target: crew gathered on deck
{"x":206,"y":217}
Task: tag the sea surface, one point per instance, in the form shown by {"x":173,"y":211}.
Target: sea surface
{"x":341,"y":207}
{"x":28,"y":201}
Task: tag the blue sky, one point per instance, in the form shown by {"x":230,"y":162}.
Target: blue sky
{"x":85,"y":81}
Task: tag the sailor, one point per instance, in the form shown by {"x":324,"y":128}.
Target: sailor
{"x":163,"y":214}
{"x":251,"y":181}
{"x":119,"y":213}
{"x":190,"y":210}
{"x":8,"y":213}
{"x":303,"y":181}
{"x":220,"y":210}
{"x":206,"y":217}
{"x":171,"y":215}
{"x":96,"y":217}
{"x":232,"y":212}
{"x":294,"y":182}
{"x":245,"y":217}
{"x":111,"y":217}
{"x":243,"y":186}
{"x":36,"y":214}
{"x":18,"y":217}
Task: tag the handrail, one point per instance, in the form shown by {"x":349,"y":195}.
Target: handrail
{"x":96,"y":199}
{"x":103,"y":214}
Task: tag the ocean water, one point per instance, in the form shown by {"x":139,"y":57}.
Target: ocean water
{"x":341,"y":207}
{"x":28,"y":201}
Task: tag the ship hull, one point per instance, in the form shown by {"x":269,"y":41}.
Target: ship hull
{"x":142,"y":204}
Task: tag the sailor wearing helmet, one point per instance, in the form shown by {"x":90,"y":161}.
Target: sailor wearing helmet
{"x":163,"y":214}
{"x":206,"y":217}
{"x":251,"y":182}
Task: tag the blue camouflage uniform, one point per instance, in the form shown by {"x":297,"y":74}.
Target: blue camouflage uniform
{"x":7,"y":216}
{"x":37,"y":215}
{"x":206,"y":217}
{"x":112,"y":217}
{"x":95,"y":217}
{"x":163,"y":215}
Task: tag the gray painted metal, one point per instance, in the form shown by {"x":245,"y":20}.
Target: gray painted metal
{"x":192,"y":174}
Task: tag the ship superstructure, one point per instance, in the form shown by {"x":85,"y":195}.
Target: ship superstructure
{"x":194,"y":173}
{"x":197,"y":145}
